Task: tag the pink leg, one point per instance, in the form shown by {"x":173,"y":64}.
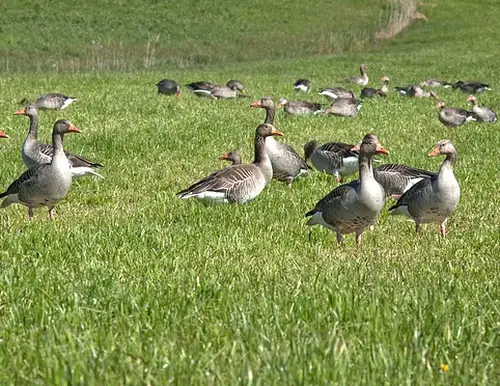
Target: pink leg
{"x":52,"y":213}
{"x":442,"y":229}
{"x":396,"y":196}
{"x":30,"y":213}
{"x":339,"y":238}
{"x":358,"y":239}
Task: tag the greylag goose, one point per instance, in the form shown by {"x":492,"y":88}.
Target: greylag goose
{"x":484,"y":113}
{"x":169,"y":87}
{"x":435,"y":83}
{"x":238,"y":183}
{"x":303,"y":85}
{"x":299,"y":107}
{"x":415,"y":91}
{"x":353,"y":207}
{"x":236,"y":84}
{"x":201,"y":88}
{"x":359,"y":80}
{"x":224,"y":92}
{"x":3,"y":135}
{"x":287,"y":164}
{"x":434,"y":199}
{"x":344,"y":107}
{"x":233,"y":156}
{"x":471,"y":87}
{"x":454,"y":116}
{"x":47,"y":184}
{"x":36,"y":153}
{"x":334,"y":158}
{"x":369,"y":92}
{"x":54,"y":101}
{"x":332,"y":93}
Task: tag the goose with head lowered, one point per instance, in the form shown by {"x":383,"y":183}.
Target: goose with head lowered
{"x":287,"y":163}
{"x":354,"y":206}
{"x":46,"y":184}
{"x":303,"y":85}
{"x":233,"y":156}
{"x":454,"y":116}
{"x":169,"y":87}
{"x":485,"y":114}
{"x":36,"y":153}
{"x":434,"y":199}
{"x":238,"y":183}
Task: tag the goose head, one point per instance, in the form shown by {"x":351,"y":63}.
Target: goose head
{"x":263,"y":103}
{"x":443,"y":147}
{"x":233,"y":156}
{"x":370,"y":145}
{"x":433,"y":95}
{"x":441,"y":104}
{"x":472,"y":98}
{"x":363,"y":68}
{"x":235,"y":84}
{"x":385,"y":79}
{"x":267,"y":130}
{"x":63,"y":126}
{"x":29,"y":110}
{"x":309,"y":148}
{"x":282,"y":102}
{"x":3,"y":135}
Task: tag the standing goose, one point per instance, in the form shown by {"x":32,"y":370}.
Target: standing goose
{"x":3,"y":135}
{"x":54,"y":101}
{"x":359,"y":80}
{"x":353,"y":207}
{"x":471,"y":87}
{"x":303,"y":85}
{"x":344,"y":107}
{"x":47,"y":184}
{"x":369,"y":92}
{"x":484,"y":113}
{"x":169,"y":87}
{"x":36,"y":153}
{"x":334,"y":158}
{"x":332,"y":93}
{"x":233,"y":156}
{"x":434,"y":199}
{"x":454,"y":116}
{"x":238,"y":183}
{"x":287,"y":164}
{"x":299,"y":107}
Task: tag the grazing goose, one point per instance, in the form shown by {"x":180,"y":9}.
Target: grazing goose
{"x":344,"y":107}
{"x":484,"y":113}
{"x":435,"y":83}
{"x":303,"y":85}
{"x":454,"y":116}
{"x":169,"y":87}
{"x":224,"y":92}
{"x":236,"y":84}
{"x":201,"y":88}
{"x":332,"y":93}
{"x":238,"y":183}
{"x":334,"y":158}
{"x":434,"y":199}
{"x":3,"y":135}
{"x":36,"y":153}
{"x":54,"y":101}
{"x":359,"y":80}
{"x":353,"y":207}
{"x":471,"y":87}
{"x":287,"y":164}
{"x":369,"y":92}
{"x":299,"y":107}
{"x":46,"y":184}
{"x":415,"y":91}
{"x":405,"y":90}
{"x":233,"y":156}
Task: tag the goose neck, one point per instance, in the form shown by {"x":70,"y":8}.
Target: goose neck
{"x":270,"y":111}
{"x":365,"y":166}
{"x":32,"y":133}
{"x":260,"y":153}
{"x":57,"y":142}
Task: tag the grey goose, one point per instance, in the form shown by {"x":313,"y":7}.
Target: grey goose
{"x":434,"y":199}
{"x":369,"y":92}
{"x":484,"y":114}
{"x":299,"y":107}
{"x":471,"y":87}
{"x":36,"y":153}
{"x":454,"y":116}
{"x":332,"y":93}
{"x":168,"y":87}
{"x":359,"y":80}
{"x":287,"y":163}
{"x":344,"y":107}
{"x":54,"y":101}
{"x":45,"y":184}
{"x":238,"y":183}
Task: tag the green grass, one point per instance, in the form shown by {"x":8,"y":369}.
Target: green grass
{"x":131,"y":285}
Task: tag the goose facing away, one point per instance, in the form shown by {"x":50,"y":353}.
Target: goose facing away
{"x":359,"y":80}
{"x":286,"y":162}
{"x":353,"y":207}
{"x":238,"y":183}
{"x":233,"y":156}
{"x":471,"y":87}
{"x":485,"y":114}
{"x":332,"y":93}
{"x":434,"y":199}
{"x":334,"y":158}
{"x":299,"y":107}
{"x":344,"y":107}
{"x":54,"y":101}
{"x":169,"y":87}
{"x":454,"y":116}
{"x":3,"y":135}
{"x":47,"y":184}
{"x":303,"y":85}
{"x":36,"y":153}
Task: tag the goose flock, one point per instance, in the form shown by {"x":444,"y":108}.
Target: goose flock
{"x":423,"y":196}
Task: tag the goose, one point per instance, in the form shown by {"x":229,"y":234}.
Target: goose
{"x":201,"y":88}
{"x":287,"y":164}
{"x":234,"y":83}
{"x":415,"y":91}
{"x":471,"y":87}
{"x":354,"y":206}
{"x":3,"y":135}
{"x":334,"y":158}
{"x":344,"y":107}
{"x":454,"y":116}
{"x":54,"y":101}
{"x":238,"y":183}
{"x":396,"y":179}
{"x":405,"y":90}
{"x":169,"y":87}
{"x":44,"y":184}
{"x":359,"y":80}
{"x":224,"y":92}
{"x":434,"y":199}
{"x":36,"y":153}
{"x":233,"y":156}
{"x":299,"y":107}
{"x":369,"y":92}
{"x":484,"y":113}
{"x":435,"y":83}
{"x":303,"y":85}
{"x":332,"y":93}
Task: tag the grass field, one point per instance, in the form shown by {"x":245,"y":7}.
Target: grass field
{"x":131,"y":285}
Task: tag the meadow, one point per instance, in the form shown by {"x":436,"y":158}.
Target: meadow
{"x":130,"y":285}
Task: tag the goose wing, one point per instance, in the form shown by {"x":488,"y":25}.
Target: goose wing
{"x":28,"y":175}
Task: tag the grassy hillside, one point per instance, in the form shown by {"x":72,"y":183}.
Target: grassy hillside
{"x":131,"y":285}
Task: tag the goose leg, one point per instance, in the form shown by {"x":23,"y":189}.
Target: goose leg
{"x":30,"y":213}
{"x":288,"y":182}
{"x":442,"y":229}
{"x":338,"y":177}
{"x":358,"y":239}
{"x":417,"y":226}
{"x":52,"y":213}
{"x":339,"y":238}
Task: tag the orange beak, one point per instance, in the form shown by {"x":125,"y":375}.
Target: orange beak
{"x":224,"y":156}
{"x":277,"y":132}
{"x":435,"y":152}
{"x":74,"y":129}
{"x":381,"y":150}
{"x":21,"y":111}
{"x":356,"y":147}
{"x":3,"y":135}
{"x":255,"y":104}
